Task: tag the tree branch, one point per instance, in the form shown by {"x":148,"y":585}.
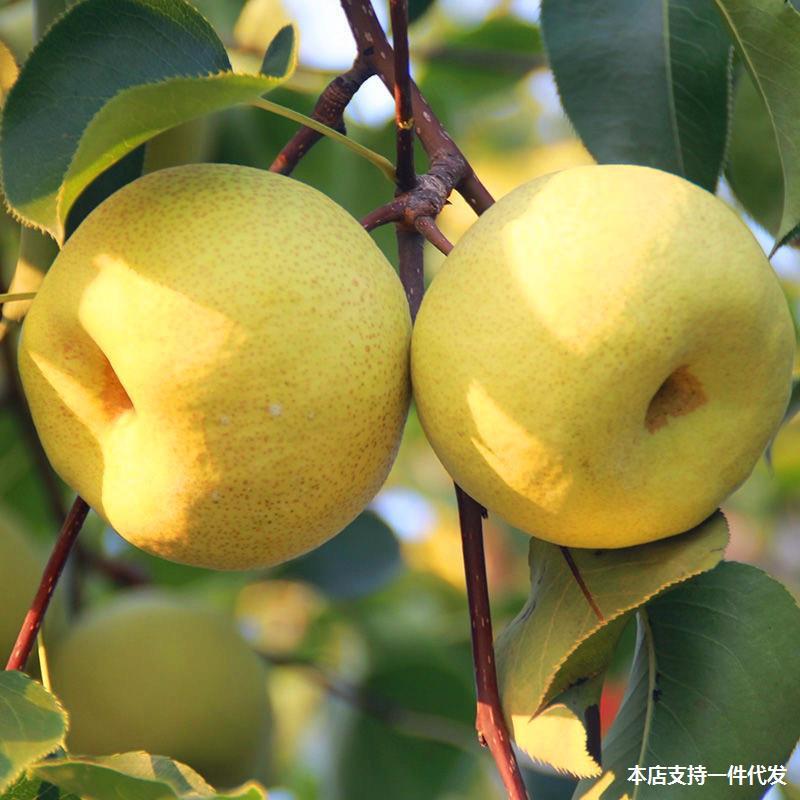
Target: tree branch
{"x":58,"y":558}
{"x":375,"y":50}
{"x":490,"y":723}
{"x":414,"y":723}
{"x":404,"y":115}
{"x":410,"y":244}
{"x":328,"y":110}
{"x":415,"y":209}
{"x":430,"y":230}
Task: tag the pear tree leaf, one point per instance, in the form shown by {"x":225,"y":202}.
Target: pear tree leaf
{"x":106,"y":77}
{"x":358,"y":561}
{"x":417,"y":8}
{"x":29,"y":788}
{"x":754,"y":170}
{"x":134,"y":776}
{"x":556,"y":643}
{"x":713,"y":683}
{"x":766,"y":34}
{"x":32,"y":724}
{"x":644,"y":83}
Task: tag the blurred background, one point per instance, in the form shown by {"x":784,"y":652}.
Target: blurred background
{"x":367,"y":638}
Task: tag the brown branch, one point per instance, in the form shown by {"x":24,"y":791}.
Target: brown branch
{"x":382,"y":709}
{"x":375,"y":50}
{"x":393,"y":211}
{"x":410,"y":244}
{"x":329,"y":110}
{"x":118,"y":572}
{"x":58,"y":558}
{"x":404,"y":115}
{"x":490,"y":723}
{"x":430,"y":230}
{"x":410,"y":247}
{"x":426,"y":199}
{"x":423,"y":201}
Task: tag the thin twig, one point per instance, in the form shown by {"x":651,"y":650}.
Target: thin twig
{"x":404,"y":115}
{"x":430,"y":230}
{"x":328,"y":110}
{"x":393,"y":211}
{"x":413,"y":723}
{"x":58,"y":558}
{"x":374,"y":48}
{"x":410,"y":248}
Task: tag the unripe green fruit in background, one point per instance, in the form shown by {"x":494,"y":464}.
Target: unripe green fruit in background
{"x":21,"y":566}
{"x":217,"y":362}
{"x":603,"y":357}
{"x":148,"y":672}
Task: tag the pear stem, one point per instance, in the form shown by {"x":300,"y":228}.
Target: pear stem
{"x":55,"y":565}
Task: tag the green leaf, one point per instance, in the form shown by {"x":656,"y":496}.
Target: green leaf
{"x":416,"y":8}
{"x":28,"y":788}
{"x":767,"y":38}
{"x":74,"y":112}
{"x":358,"y":561}
{"x":714,"y":682}
{"x":754,"y":170}
{"x":557,"y":643}
{"x":644,"y":83}
{"x":134,"y":776}
{"x":32,"y":724}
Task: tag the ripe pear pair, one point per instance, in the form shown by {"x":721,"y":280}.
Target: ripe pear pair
{"x":218,"y":361}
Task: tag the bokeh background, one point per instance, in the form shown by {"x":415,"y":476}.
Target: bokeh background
{"x":367,"y":639}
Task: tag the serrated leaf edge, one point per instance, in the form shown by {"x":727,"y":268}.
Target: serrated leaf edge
{"x":13,"y":777}
{"x":543,"y":706}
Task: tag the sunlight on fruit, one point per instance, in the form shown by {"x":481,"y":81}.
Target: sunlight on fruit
{"x":500,"y":174}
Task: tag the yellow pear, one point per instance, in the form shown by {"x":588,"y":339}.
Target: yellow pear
{"x":217,"y":361}
{"x":604,"y":356}
{"x":154,"y":673}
